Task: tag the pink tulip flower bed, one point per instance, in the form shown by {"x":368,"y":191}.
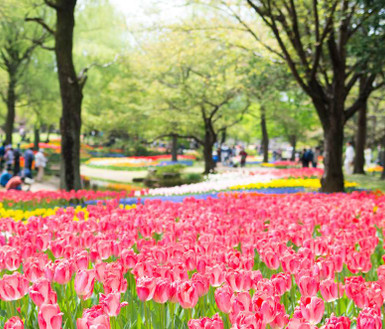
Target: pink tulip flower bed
{"x":243,"y":261}
{"x":24,"y":199}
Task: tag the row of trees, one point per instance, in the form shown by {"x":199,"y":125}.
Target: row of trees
{"x":280,"y":66}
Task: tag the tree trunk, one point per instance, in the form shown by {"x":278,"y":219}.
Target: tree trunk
{"x":382,"y":158}
{"x":11,"y":109}
{"x":36,"y":133}
{"x":48,"y":133}
{"x":359,"y":160}
{"x":265,"y":136}
{"x":333,"y":178}
{"x":209,"y":141}
{"x":293,"y":144}
{"x":174,"y":148}
{"x":71,"y":96}
{"x":208,"y":157}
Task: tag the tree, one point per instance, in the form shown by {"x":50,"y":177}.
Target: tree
{"x":359,"y":160}
{"x":71,"y":90}
{"x":314,"y":38}
{"x":196,"y":88}
{"x":17,"y":44}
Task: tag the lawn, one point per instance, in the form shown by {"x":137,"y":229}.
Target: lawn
{"x":368,"y":181}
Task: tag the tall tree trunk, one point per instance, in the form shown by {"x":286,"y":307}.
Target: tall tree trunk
{"x":359,"y":160}
{"x":208,"y":157}
{"x":71,"y":96}
{"x":50,"y":127}
{"x":174,"y":148}
{"x":293,"y":144}
{"x":333,"y":178}
{"x":265,"y":136}
{"x":209,"y":141}
{"x":11,"y":109}
{"x":36,"y":140}
{"x":382,"y":158}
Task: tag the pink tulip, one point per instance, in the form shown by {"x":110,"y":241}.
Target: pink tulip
{"x":308,"y":285}
{"x":206,"y":323}
{"x":81,"y":260}
{"x":114,"y":280}
{"x":247,"y":319}
{"x":145,"y":288}
{"x":223,"y":297}
{"x":201,"y":283}
{"x":62,"y":272}
{"x":239,"y":280}
{"x":187,"y":294}
{"x":216,"y":275}
{"x":312,"y":309}
{"x":265,"y":305}
{"x":111,"y":303}
{"x":49,"y":317}
{"x":100,"y":269}
{"x":41,"y":292}
{"x":10,"y":258}
{"x":271,"y":259}
{"x":14,"y":323}
{"x":281,"y":282}
{"x":162,"y":291}
{"x":94,"y":318}
{"x":32,"y":270}
{"x":13,"y":287}
{"x":330,"y":290}
{"x":240,"y":303}
{"x":84,"y":283}
{"x":334,"y":322}
{"x":281,"y":319}
{"x":369,"y":319}
{"x":129,"y":258}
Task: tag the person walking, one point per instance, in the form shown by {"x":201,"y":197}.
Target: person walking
{"x":309,"y":157}
{"x":40,"y":163}
{"x":28,"y":159}
{"x":349,"y":158}
{"x":2,"y":153}
{"x":243,"y":155}
{"x":9,"y":156}
{"x":317,"y":154}
{"x":305,"y":162}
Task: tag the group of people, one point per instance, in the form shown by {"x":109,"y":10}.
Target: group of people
{"x":226,"y":155}
{"x":309,"y":157}
{"x":13,"y":177}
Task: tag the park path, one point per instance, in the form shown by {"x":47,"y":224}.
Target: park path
{"x":124,"y":176}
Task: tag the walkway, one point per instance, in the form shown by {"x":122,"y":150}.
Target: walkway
{"x":124,"y":176}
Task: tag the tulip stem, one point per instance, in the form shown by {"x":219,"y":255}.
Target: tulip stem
{"x":383,"y":316}
{"x":113,"y":322}
{"x":172,"y":315}
{"x":163,"y":316}
{"x":146,"y":315}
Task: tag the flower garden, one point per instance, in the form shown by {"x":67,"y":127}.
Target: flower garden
{"x":244,"y":257}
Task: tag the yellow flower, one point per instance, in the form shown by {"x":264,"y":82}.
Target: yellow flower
{"x":283,"y":183}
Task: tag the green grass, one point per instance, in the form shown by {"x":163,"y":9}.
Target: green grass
{"x":368,"y":181}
